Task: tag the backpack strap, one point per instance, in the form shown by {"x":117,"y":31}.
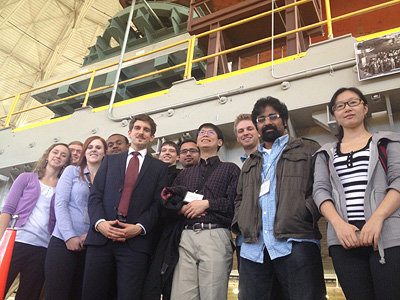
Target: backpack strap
{"x":382,"y":153}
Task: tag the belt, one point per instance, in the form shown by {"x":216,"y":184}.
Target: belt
{"x":203,"y":226}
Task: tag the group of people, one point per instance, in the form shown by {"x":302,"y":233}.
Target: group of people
{"x":120,"y":224}
{"x":384,"y":61}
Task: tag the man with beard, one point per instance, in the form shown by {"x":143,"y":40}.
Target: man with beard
{"x":189,"y":153}
{"x":275,"y":213}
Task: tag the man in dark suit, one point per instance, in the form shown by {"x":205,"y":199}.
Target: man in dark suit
{"x":124,"y":236}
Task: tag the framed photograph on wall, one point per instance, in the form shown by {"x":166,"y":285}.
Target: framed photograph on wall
{"x":378,"y":57}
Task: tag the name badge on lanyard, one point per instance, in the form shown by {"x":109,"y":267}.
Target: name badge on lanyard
{"x":264,"y":188}
{"x":192,"y":196}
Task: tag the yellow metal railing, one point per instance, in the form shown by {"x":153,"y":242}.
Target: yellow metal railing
{"x":188,"y":64}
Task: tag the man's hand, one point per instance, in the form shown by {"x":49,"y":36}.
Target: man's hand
{"x":113,"y":233}
{"x":130,"y":230}
{"x":196,"y":209}
{"x":73,"y":244}
{"x":183,"y":210}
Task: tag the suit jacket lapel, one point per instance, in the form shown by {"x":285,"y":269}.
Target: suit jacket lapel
{"x":122,"y":165}
{"x":143,"y":169}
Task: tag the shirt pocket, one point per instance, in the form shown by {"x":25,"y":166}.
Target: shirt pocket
{"x":295,"y":171}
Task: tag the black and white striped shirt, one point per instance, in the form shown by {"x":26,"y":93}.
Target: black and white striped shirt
{"x":352,"y":169}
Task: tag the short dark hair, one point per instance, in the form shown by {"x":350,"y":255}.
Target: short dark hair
{"x":279,"y":106}
{"x":114,"y":134}
{"x":144,"y":118}
{"x":187,"y":141}
{"x":172,"y":144}
{"x":215,"y":128}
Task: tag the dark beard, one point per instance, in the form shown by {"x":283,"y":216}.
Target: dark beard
{"x":270,"y":136}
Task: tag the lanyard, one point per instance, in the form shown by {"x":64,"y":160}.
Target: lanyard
{"x":89,"y":181}
{"x":264,"y":174}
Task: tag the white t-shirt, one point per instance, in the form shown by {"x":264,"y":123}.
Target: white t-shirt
{"x":35,"y":231}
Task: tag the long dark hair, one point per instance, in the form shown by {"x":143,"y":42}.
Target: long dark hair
{"x":82,"y":163}
{"x":333,"y":102}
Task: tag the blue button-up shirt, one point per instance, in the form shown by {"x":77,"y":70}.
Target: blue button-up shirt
{"x":71,"y":204}
{"x":276,"y":247}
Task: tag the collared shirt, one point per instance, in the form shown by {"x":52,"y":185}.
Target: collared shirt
{"x":243,"y":158}
{"x":239,"y":239}
{"x":141,"y":157}
{"x":71,"y":204}
{"x":219,"y":189}
{"x":276,"y":247}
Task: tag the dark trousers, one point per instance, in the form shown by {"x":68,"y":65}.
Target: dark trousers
{"x":28,"y":260}
{"x":131,"y":266}
{"x":238,"y":257}
{"x":361,"y":275}
{"x":296,"y":276}
{"x":64,"y":271}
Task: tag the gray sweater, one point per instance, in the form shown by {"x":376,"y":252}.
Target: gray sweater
{"x":327,"y":186}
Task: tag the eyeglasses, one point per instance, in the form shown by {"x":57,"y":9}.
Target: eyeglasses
{"x":191,"y":150}
{"x":272,"y":117}
{"x":351,"y":103}
{"x":208,"y":132}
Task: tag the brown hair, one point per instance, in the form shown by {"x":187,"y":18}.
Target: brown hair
{"x":172,"y":144}
{"x":41,"y":164}
{"x":82,"y":163}
{"x":144,"y":118}
{"x":75,"y":143}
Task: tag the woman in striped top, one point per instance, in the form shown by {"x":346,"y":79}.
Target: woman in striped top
{"x":359,"y":195}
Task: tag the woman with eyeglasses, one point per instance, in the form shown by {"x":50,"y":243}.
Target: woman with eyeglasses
{"x":32,"y":198}
{"x":356,"y":187}
{"x":65,"y":257}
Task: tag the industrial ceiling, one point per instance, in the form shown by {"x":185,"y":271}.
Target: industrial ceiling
{"x":40,"y":39}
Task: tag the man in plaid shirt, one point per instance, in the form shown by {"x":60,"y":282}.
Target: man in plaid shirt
{"x":206,"y":247}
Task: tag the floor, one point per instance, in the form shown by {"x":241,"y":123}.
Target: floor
{"x":333,"y":292}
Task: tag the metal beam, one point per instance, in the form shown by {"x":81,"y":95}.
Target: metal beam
{"x":5,"y":20}
{"x":65,"y":38}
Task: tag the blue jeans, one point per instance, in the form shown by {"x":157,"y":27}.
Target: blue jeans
{"x":296,"y":276}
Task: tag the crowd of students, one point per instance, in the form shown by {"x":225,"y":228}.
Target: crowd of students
{"x":106,"y":220}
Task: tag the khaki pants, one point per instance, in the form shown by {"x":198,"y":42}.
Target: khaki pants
{"x":205,"y":261}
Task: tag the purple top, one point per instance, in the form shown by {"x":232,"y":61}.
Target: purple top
{"x":22,"y":198}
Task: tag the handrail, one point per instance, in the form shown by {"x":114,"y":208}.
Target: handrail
{"x":188,"y":64}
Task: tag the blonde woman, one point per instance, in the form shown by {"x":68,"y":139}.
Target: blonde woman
{"x":32,"y":198}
